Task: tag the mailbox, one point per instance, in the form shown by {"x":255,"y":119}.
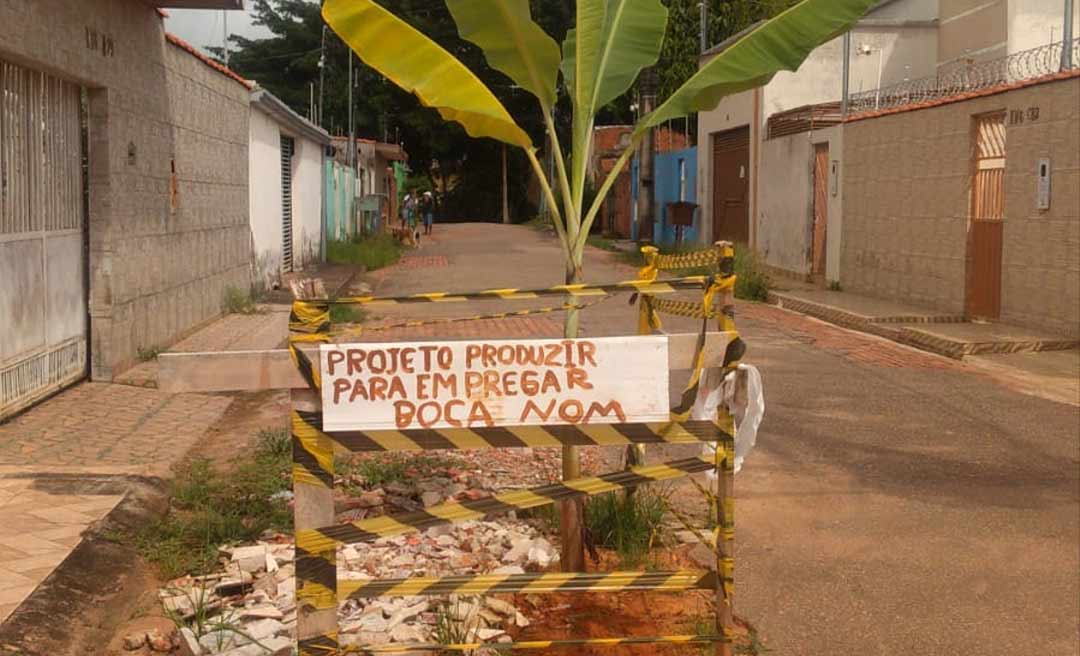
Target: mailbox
{"x":681,"y":213}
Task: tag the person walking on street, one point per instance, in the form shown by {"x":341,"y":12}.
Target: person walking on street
{"x":427,"y":206}
{"x":403,"y":211}
{"x":411,"y":209}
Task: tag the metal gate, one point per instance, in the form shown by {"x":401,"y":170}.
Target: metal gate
{"x":43,"y":292}
{"x":731,"y":185}
{"x":983,"y":298}
{"x":821,"y":209}
{"x":287,"y":146}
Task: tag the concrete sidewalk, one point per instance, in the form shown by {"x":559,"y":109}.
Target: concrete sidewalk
{"x":265,"y":329}
{"x":946,"y":334}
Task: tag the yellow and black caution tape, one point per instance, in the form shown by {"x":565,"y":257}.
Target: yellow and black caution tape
{"x":313,"y":464}
{"x":309,"y":317}
{"x":368,"y":530}
{"x":398,"y":648}
{"x":322,"y":645}
{"x":516,"y":294}
{"x":309,"y":424}
{"x":681,"y":261}
{"x":484,"y":584}
{"x":416,"y":323}
{"x":316,"y":578}
{"x":689,"y":309}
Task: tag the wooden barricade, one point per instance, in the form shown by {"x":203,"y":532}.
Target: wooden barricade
{"x":318,"y":536}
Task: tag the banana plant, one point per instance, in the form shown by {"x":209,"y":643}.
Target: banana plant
{"x":611,"y":42}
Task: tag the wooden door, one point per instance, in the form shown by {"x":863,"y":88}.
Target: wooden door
{"x":985,"y":228}
{"x":731,"y":185}
{"x":821,"y":209}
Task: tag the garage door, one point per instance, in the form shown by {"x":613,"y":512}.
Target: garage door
{"x":43,"y":311}
{"x":731,"y":185}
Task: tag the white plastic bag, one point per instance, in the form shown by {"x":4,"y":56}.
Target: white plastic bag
{"x":747,"y":405}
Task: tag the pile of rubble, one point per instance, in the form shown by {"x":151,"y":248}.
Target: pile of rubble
{"x":249,"y":608}
{"x":508,"y":546}
{"x":442,"y":478}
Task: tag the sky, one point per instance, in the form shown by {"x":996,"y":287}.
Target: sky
{"x":205,"y":27}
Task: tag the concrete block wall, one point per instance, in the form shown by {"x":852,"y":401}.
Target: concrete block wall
{"x":1040,"y":284}
{"x":155,"y":272}
{"x":906,"y":185}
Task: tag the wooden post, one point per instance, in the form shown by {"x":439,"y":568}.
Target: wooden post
{"x":725,"y":480}
{"x":316,"y":595}
{"x":725,"y":543}
{"x":314,"y":507}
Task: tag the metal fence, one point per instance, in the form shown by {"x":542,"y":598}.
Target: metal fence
{"x":968,"y":77}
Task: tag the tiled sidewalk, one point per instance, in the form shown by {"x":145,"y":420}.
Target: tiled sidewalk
{"x":48,"y":526}
{"x":107,"y":429}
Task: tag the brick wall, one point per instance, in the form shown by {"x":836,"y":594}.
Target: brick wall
{"x":906,"y":182}
{"x":155,"y":272}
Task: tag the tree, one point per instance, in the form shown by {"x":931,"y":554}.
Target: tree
{"x":610,"y":43}
{"x":681,"y":51}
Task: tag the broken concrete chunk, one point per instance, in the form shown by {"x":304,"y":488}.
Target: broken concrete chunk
{"x":134,"y":641}
{"x":250,"y":559}
{"x":270,"y":647}
{"x":189,"y":643}
{"x":158,"y":642}
{"x":499,"y":606}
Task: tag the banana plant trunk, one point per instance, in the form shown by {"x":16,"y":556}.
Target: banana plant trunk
{"x":572,"y":511}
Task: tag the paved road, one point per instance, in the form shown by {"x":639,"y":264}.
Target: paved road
{"x":898,"y":503}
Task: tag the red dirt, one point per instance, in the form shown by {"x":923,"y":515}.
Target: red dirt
{"x":622,"y":614}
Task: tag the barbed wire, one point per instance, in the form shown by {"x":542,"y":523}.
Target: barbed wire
{"x":967,"y":77}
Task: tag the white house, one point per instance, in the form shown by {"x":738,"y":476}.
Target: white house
{"x":286,"y":181}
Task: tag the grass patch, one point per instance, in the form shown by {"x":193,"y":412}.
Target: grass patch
{"x":754,"y":647}
{"x":751,"y":283}
{"x":347,"y":314}
{"x":211,"y":507}
{"x":834,"y":286}
{"x":148,"y":353}
{"x":628,"y":524}
{"x":238,"y":301}
{"x":542,"y":222}
{"x":547,"y":516}
{"x":374,"y":252}
{"x":362,"y":472}
{"x":603,"y":243}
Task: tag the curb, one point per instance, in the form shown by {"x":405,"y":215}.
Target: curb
{"x":889,"y":328}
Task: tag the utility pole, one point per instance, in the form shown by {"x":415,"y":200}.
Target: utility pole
{"x":1067,"y":37}
{"x":646,"y":157}
{"x":225,"y":35}
{"x":505,"y":198}
{"x":845,"y":92}
{"x":322,"y":73}
{"x":704,"y":7}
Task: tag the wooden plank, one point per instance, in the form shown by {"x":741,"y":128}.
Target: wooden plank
{"x":313,"y":507}
{"x":242,"y":371}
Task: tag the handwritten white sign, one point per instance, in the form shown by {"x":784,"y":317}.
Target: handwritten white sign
{"x":484,"y":383}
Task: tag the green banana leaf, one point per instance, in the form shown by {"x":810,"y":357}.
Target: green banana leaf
{"x":779,"y":45}
{"x":417,"y":64}
{"x":512,"y":42}
{"x":630,"y":39}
